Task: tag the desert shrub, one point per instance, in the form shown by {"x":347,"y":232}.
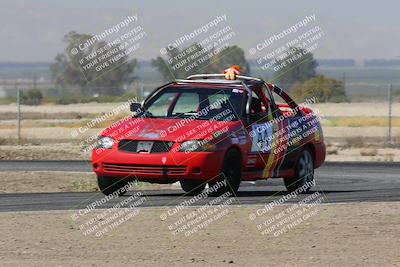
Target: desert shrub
{"x":369,"y":152}
{"x":325,"y":89}
{"x":32,"y":97}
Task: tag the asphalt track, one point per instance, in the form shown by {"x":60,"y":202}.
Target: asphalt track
{"x":337,"y":183}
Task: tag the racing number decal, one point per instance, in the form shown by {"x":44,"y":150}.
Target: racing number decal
{"x":279,"y":136}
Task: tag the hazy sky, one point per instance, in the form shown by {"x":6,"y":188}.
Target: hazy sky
{"x":32,"y":30}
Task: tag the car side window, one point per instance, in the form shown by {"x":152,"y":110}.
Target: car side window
{"x":259,"y":107}
{"x":274,"y":103}
{"x":283,"y":106}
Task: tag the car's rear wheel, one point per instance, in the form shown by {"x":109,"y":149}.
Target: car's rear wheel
{"x":304,"y":173}
{"x":193,"y":187}
{"x":231,"y":173}
{"x":109,"y":185}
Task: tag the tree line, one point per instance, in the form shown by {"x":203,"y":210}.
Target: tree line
{"x":298,"y":76}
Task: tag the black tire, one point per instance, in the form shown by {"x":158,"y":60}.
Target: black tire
{"x":304,"y":173}
{"x":193,"y":187}
{"x":109,"y":185}
{"x":231,"y":173}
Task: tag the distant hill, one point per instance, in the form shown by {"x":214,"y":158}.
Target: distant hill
{"x":31,"y":70}
{"x":382,"y":63}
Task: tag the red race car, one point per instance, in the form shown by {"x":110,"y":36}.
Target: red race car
{"x":218,"y":129}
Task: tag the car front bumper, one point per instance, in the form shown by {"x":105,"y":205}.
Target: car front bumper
{"x":157,"y":167}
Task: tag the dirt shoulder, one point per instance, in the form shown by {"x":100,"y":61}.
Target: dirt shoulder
{"x":57,"y":151}
{"x":337,"y":235}
{"x":46,"y":182}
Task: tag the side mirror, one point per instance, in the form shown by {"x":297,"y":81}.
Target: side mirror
{"x":136,"y":107}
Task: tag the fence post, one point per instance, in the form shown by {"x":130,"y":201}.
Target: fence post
{"x":18,"y":115}
{"x":390,"y":115}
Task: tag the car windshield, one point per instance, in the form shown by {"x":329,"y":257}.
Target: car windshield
{"x":197,"y":103}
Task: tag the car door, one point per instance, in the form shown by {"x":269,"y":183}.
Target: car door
{"x":279,"y":148}
{"x":262,"y":131}
{"x":292,"y":129}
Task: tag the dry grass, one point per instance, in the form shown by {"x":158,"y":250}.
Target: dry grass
{"x":83,"y":186}
{"x":89,"y":108}
{"x":70,"y":123}
{"x":12,"y":142}
{"x":371,"y":154}
{"x":360,"y":122}
{"x":58,"y":151}
{"x":355,"y":109}
{"x":45,"y":115}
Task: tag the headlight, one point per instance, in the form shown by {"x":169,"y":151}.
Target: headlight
{"x":197,"y":146}
{"x":105,"y":142}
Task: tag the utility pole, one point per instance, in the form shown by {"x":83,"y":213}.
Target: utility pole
{"x":18,"y":115}
{"x":390,"y":115}
{"x":34,"y":81}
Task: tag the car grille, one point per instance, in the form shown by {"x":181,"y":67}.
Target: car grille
{"x":145,"y":169}
{"x":158,"y":146}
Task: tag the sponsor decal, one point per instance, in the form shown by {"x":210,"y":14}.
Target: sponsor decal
{"x":262,"y":138}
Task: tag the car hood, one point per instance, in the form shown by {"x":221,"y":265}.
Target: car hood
{"x":176,"y":130}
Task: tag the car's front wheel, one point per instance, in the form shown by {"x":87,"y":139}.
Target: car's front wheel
{"x":109,"y":185}
{"x":304,"y":173}
{"x":231,"y":174}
